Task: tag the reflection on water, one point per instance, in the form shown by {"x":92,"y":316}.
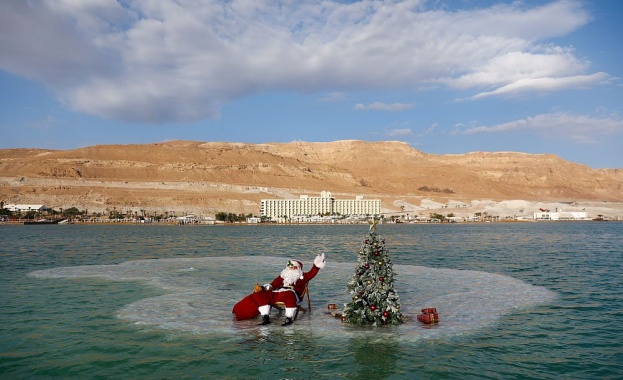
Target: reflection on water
{"x":374,"y":355}
{"x":202,"y":291}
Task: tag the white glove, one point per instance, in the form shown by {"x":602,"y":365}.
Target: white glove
{"x":319,"y":261}
{"x":268,"y":287}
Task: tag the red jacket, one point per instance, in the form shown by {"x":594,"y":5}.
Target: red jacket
{"x":299,"y":285}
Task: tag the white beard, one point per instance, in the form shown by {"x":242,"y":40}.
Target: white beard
{"x":290,"y":276}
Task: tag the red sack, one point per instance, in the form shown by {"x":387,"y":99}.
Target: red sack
{"x":246,"y":308}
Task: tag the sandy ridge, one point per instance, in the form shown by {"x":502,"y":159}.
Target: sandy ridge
{"x":206,"y":177}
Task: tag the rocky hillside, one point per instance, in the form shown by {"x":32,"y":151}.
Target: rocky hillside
{"x":234,"y":177}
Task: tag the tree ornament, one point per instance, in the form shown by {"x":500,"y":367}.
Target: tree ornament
{"x":381,"y":279}
{"x":380,"y":263}
{"x":372,"y":307}
{"x":385,"y":314}
{"x":367,"y":266}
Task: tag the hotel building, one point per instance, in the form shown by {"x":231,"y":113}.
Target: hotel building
{"x":323,"y":205}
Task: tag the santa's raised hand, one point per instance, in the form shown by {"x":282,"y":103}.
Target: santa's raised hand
{"x":319,"y":261}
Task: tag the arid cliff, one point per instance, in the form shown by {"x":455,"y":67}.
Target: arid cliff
{"x":206,"y":177}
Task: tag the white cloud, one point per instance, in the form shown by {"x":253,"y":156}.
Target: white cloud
{"x":580,"y":128}
{"x":516,"y":66}
{"x":430,"y":130}
{"x":378,"y":106}
{"x":333,"y":97}
{"x":163,"y":61}
{"x":546,"y":85}
{"x":399,"y":132}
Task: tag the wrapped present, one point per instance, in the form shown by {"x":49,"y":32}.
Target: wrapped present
{"x":332,"y":307}
{"x":429,"y":315}
{"x":428,"y":318}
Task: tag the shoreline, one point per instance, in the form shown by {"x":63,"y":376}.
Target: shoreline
{"x":477,"y":211}
{"x":220,"y":224}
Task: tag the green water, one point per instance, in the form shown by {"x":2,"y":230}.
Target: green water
{"x":161,"y":317}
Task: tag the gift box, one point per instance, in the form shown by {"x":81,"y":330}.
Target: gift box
{"x":428,"y":318}
{"x":429,"y":315}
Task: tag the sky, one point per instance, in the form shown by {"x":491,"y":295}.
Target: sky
{"x":444,"y":76}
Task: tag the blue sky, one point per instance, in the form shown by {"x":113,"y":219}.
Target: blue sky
{"x":446,"y":77}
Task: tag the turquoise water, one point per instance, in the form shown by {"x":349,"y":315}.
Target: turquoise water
{"x":516,"y":301}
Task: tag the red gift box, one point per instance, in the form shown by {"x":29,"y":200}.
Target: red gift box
{"x":428,"y":318}
{"x":429,"y":315}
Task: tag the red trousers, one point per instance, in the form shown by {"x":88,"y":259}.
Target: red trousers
{"x":247,"y":308}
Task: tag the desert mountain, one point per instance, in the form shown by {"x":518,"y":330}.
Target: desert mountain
{"x":207,"y":177}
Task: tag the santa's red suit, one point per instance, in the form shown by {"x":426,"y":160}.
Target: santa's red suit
{"x":287,"y":288}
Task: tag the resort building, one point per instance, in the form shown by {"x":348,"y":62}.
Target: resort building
{"x":25,"y":208}
{"x":306,"y":206}
{"x":570,"y":215}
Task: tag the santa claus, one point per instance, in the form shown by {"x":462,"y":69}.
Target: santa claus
{"x":288,"y":288}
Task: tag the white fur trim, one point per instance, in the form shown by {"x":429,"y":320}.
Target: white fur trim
{"x":290,"y":312}
{"x":264,"y":310}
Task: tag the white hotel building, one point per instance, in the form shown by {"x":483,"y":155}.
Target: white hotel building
{"x":306,"y":206}
{"x":560,"y":215}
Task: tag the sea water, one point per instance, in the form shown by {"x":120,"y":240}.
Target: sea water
{"x":516,"y":300}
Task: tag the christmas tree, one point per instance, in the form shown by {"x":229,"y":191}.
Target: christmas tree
{"x":372,"y":286}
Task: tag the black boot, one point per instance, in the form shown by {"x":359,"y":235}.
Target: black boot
{"x":288,"y":322}
{"x":265,"y":320}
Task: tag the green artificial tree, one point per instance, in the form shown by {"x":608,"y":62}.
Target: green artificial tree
{"x":374,"y":300}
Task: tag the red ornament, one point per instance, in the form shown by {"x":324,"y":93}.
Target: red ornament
{"x":367,"y":266}
{"x":385,"y":314}
{"x":376,"y":253}
{"x":372,"y":307}
{"x":381,"y":279}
